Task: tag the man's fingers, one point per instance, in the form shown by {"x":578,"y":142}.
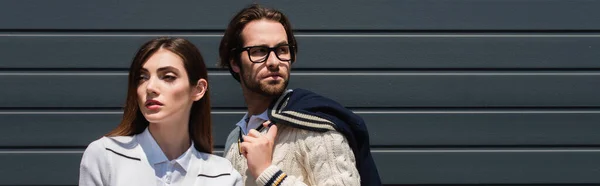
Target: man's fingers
{"x":272,"y":133}
{"x":254,"y":133}
{"x":249,"y":139}
{"x":266,"y":123}
{"x":244,"y":148}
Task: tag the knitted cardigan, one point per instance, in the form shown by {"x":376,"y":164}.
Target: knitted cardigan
{"x":319,"y":142}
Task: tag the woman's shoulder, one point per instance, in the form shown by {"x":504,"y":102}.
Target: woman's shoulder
{"x":113,"y":143}
{"x":94,"y":147}
{"x":95,"y":152}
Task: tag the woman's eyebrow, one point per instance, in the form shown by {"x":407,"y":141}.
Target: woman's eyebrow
{"x":168,"y":68}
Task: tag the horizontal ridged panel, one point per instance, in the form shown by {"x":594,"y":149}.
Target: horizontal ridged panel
{"x":374,"y":89}
{"x":454,"y":92}
{"x":321,"y":15}
{"x":541,"y":166}
{"x":406,"y":128}
{"x":395,"y":166}
{"x":326,"y":51}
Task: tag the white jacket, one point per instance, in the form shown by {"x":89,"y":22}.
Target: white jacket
{"x":121,"y":161}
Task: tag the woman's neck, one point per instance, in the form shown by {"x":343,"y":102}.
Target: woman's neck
{"x":173,"y":140}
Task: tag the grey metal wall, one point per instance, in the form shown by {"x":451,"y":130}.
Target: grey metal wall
{"x":453,"y":91}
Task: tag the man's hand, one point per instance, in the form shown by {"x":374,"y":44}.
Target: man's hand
{"x":258,"y":149}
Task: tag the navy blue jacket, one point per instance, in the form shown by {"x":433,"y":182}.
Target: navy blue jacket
{"x":310,"y":111}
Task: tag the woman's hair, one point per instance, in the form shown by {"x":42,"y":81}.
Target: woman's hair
{"x":133,"y":121}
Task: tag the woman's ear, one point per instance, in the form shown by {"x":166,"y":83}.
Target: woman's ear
{"x":200,"y":89}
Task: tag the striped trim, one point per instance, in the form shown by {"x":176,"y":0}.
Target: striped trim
{"x":302,"y":116}
{"x":304,"y":120}
{"x":215,"y":176}
{"x":298,"y":118}
{"x":274,"y":178}
{"x":285,"y":96}
{"x":133,"y":158}
{"x":280,"y":179}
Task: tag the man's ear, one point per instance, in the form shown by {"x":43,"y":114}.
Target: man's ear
{"x":234,"y":66}
{"x":200,"y":89}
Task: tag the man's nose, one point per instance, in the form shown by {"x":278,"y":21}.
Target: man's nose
{"x":272,"y":60}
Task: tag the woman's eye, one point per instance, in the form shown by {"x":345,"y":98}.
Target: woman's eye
{"x":169,"y":78}
{"x":143,"y":77}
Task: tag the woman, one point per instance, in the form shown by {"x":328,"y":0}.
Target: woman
{"x":165,"y":135}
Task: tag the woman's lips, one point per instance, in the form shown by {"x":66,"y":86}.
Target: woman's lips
{"x":153,"y":104}
{"x":153,"y":107}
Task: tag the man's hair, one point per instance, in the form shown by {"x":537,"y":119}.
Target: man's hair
{"x":232,"y":39}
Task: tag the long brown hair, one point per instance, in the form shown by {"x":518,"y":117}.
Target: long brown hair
{"x":232,"y":38}
{"x":133,"y":121}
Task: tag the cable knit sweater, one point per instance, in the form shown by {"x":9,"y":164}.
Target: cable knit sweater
{"x":300,"y":157}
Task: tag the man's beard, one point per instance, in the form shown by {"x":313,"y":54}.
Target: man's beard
{"x":267,"y":89}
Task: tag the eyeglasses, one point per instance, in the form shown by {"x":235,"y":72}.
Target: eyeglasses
{"x":259,"y":54}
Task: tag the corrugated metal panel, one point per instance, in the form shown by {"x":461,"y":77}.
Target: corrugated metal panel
{"x":454,"y":92}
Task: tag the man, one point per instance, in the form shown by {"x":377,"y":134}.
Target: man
{"x":315,"y":140}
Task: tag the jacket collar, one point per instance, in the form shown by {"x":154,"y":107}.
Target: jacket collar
{"x":155,"y":154}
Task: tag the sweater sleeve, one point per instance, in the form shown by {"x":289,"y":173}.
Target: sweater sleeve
{"x":93,"y":170}
{"x":328,"y":158}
